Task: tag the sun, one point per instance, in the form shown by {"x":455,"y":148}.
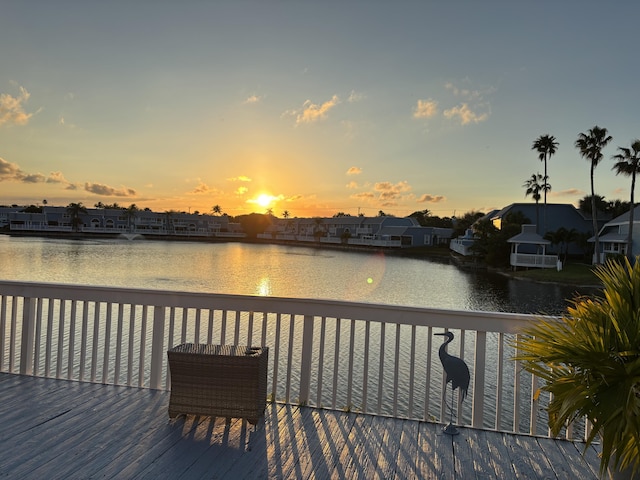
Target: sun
{"x":264,"y":200}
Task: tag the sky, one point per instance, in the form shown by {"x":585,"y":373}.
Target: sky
{"x":311,"y":108}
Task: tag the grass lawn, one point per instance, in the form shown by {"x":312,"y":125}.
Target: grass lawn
{"x":571,"y":274}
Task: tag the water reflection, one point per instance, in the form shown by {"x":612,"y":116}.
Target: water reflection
{"x":276,"y":271}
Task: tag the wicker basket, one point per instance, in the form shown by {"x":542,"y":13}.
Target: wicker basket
{"x":218,"y":380}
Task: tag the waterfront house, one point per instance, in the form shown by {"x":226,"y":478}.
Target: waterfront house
{"x":528,"y":249}
{"x":119,"y":221}
{"x":613,"y":236}
{"x":381,"y":231}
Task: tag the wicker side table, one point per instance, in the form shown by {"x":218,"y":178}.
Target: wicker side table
{"x":218,"y":380}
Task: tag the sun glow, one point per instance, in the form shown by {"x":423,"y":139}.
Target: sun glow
{"x":264,"y":200}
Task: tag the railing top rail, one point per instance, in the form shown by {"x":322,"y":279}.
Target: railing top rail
{"x":423,"y":316}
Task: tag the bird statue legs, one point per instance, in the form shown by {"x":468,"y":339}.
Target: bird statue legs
{"x":450,"y":429}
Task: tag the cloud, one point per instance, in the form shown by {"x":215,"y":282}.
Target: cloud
{"x":364,"y":195}
{"x":252,"y":99}
{"x":311,"y":112}
{"x":12,"y":108}
{"x":100,"y":189}
{"x":355,"y":97}
{"x":465,"y":115}
{"x":9,"y":171}
{"x":241,"y":190}
{"x":56,"y":177}
{"x":241,"y":178}
{"x":388,"y":190}
{"x":425,"y":109}
{"x":352,"y":185}
{"x":201,"y":188}
{"x":569,"y":192}
{"x":354,"y":171}
{"x":428,"y":198}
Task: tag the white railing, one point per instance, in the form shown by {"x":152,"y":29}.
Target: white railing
{"x":533,"y":260}
{"x":378,"y":359}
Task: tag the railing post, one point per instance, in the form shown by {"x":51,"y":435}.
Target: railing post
{"x":477,"y":412}
{"x":157,"y":348}
{"x":28,"y":336}
{"x":305,"y":364}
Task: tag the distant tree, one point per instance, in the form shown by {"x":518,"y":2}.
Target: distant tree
{"x":546,"y":146}
{"x":32,"y":209}
{"x":534,"y":186}
{"x":628,"y":163}
{"x":421,"y":216}
{"x":269,"y":212}
{"x":286,"y":214}
{"x":381,"y":213}
{"x":44,"y":202}
{"x":318,"y":228}
{"x":617,"y":207}
{"x":585,"y":204}
{"x":341,"y":214}
{"x":491,"y":243}
{"x":75,"y":210}
{"x":216,"y":209}
{"x":590,"y":146}
{"x":131,"y":212}
{"x":462,"y":224}
{"x":345,"y":236}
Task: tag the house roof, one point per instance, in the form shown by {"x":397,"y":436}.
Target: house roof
{"x":529,"y":235}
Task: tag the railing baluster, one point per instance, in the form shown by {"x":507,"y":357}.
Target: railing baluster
{"x":479,"y":369}
{"x":72,"y":340}
{"x":157,"y":348}
{"x":336,"y":361}
{"x":365,"y":370}
{"x":516,"y":391}
{"x":323,"y":325}
{"x":412,"y":363}
{"x":107,"y":343}
{"x":381,"y":369}
{"x":210,"y":327}
{"x":236,"y":330}
{"x":396,"y":370}
{"x":352,"y":336}
{"x":289,"y":357}
{"x":38,"y":339}
{"x":196,"y":333}
{"x":131,"y":346}
{"x":12,"y":334}
{"x":96,"y":336}
{"x":28,"y":331}
{"x":305,"y":362}
{"x":143,"y":345}
{"x":276,"y":354}
{"x":533,"y":418}
{"x":427,"y":383}
{"x":499,"y":378}
{"x":183,"y":337}
{"x":250,"y":330}
{"x":83,"y":339}
{"x":61,"y":323}
{"x":118,"y":359}
{"x":223,"y":328}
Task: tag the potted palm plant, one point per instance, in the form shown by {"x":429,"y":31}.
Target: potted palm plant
{"x":589,"y":361}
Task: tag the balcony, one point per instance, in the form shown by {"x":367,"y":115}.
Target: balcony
{"x":352,"y":387}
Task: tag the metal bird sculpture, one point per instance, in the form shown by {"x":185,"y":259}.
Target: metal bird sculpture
{"x":457,"y":373}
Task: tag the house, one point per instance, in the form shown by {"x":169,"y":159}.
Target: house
{"x":612,"y":237}
{"x":381,"y":231}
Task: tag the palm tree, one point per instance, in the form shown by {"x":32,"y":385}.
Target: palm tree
{"x":628,"y":163}
{"x":216,"y":209}
{"x":534,"y":185}
{"x":546,"y":146}
{"x":131,"y":213}
{"x":590,"y":145}
{"x":285,"y":214}
{"x":75,"y":210}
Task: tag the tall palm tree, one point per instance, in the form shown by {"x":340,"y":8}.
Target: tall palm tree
{"x":534,"y":186}
{"x":628,"y":163}
{"x":216,"y":209}
{"x":75,"y":210}
{"x":131,"y":212}
{"x":590,"y":145}
{"x":546,"y":146}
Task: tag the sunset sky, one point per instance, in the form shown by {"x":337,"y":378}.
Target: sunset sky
{"x":311,"y":107}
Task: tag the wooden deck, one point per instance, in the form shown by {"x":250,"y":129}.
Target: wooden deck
{"x":59,"y":429}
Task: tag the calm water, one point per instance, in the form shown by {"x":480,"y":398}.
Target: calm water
{"x":274,"y":270}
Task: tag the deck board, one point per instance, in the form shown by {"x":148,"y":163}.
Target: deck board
{"x":68,"y":430}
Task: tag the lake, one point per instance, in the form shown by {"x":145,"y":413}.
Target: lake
{"x":275,"y":270}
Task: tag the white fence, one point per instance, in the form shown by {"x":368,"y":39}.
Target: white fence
{"x":378,"y":359}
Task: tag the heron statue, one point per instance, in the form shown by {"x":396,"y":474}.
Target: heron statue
{"x":457,"y":373}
